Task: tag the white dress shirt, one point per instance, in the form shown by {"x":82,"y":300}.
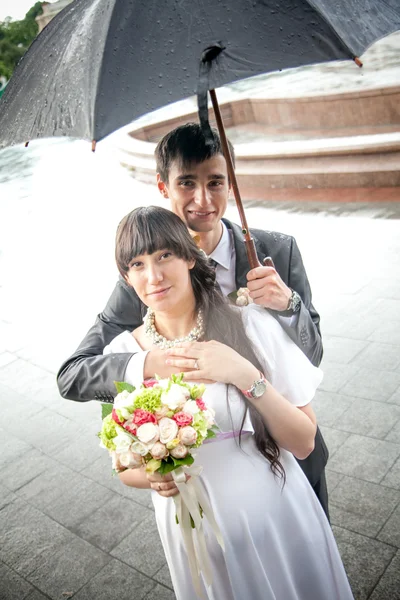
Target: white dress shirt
{"x":225,"y":257}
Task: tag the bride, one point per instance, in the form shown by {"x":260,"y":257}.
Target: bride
{"x":278,"y":542}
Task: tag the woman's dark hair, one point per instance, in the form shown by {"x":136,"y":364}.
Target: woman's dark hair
{"x":149,"y":229}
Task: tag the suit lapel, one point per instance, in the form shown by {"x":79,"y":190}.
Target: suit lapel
{"x":242,"y":263}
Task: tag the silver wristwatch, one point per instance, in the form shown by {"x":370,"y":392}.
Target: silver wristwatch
{"x":257,"y":389}
{"x":294,"y":303}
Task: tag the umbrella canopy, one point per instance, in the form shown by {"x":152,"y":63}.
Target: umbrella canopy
{"x":100,"y":64}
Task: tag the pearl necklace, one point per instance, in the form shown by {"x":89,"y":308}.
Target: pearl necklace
{"x":161,"y":341}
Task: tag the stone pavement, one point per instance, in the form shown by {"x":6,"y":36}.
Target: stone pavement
{"x":69,"y":529}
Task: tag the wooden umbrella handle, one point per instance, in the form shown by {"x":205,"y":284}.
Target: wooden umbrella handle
{"x":248,"y":240}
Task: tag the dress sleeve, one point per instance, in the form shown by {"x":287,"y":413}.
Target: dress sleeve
{"x":286,"y":367}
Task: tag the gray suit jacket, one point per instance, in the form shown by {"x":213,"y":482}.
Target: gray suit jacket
{"x":89,"y":375}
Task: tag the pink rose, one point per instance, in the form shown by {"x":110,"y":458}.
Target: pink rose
{"x":187,"y":436}
{"x":182,"y":419}
{"x":129,"y":426}
{"x":179,"y":451}
{"x":115,"y":418}
{"x":140,"y":417}
{"x":200,"y":403}
{"x":162,"y":412}
{"x":159,"y":451}
{"x":149,"y":383}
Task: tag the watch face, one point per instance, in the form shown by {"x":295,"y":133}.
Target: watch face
{"x":259,"y":389}
{"x":296,"y":300}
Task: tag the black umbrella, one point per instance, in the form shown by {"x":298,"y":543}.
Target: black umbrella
{"x":100,"y":64}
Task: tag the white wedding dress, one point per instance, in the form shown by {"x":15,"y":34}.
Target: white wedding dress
{"x":278,"y":542}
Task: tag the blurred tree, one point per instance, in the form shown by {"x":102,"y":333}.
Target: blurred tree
{"x":15,"y":39}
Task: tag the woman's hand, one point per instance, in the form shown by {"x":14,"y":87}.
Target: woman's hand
{"x":212,"y":361}
{"x":163,"y":484}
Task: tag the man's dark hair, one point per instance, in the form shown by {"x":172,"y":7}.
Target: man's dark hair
{"x":186,"y":145}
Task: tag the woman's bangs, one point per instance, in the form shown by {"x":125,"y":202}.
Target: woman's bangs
{"x":152,"y":233}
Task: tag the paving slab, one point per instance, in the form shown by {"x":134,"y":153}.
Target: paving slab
{"x":25,"y":468}
{"x":336,"y":376}
{"x":362,"y":507}
{"x":365,"y":458}
{"x":372,"y":384}
{"x":68,"y":568}
{"x":392,"y":477}
{"x":365,"y":560}
{"x":342,"y":350}
{"x":334,"y":439}
{"x":160,"y":593}
{"x":6,"y":496}
{"x":390,"y":532}
{"x":65,"y":496}
{"x":394,"y":433}
{"x":378,"y":356}
{"x":28,"y":537}
{"x":388,"y":587}
{"x":116,"y":580}
{"x":105,"y":532}
{"x":12,"y":585}
{"x":142,"y":548}
{"x":164,"y":577}
{"x":372,"y":419}
{"x":395,"y":398}
{"x":329,"y":406}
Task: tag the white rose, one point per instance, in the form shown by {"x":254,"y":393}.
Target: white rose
{"x":191,"y":407}
{"x":163,"y":383}
{"x":159,"y":451}
{"x":168,"y":430}
{"x":148,"y":433}
{"x":241,"y":301}
{"x":123,"y":442}
{"x":175,"y":397}
{"x":116,"y":464}
{"x":130,"y":460}
{"x":139,"y":448}
{"x":123,"y":401}
{"x":187,"y":435}
{"x":209,"y":414}
{"x":179,"y":452}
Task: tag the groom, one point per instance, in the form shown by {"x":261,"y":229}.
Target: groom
{"x":192,"y":175}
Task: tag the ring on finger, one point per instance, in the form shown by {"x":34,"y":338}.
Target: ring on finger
{"x":196,"y":365}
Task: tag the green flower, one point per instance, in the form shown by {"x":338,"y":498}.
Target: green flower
{"x":201,"y":426}
{"x":197,"y":391}
{"x":153,"y":465}
{"x":149,"y":399}
{"x":109,"y":431}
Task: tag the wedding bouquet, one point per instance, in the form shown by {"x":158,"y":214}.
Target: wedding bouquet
{"x":156,"y":425}
{"x":159,"y":426}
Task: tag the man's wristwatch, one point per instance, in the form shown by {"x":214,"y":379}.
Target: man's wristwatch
{"x":294,"y":303}
{"x":257,"y":389}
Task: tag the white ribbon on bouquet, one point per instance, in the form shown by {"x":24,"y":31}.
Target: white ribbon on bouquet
{"x":188,"y":503}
